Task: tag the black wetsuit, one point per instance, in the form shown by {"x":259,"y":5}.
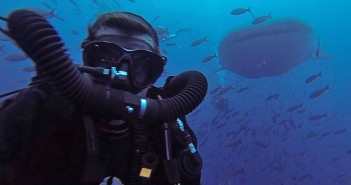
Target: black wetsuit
{"x":43,"y":141}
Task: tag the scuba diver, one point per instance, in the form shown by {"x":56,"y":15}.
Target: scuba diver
{"x":103,"y":122}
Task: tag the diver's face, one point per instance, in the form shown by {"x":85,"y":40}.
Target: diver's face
{"x":130,"y":68}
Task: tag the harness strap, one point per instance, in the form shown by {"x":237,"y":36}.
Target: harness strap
{"x":94,"y":169}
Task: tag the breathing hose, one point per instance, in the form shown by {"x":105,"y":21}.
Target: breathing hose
{"x":40,"y":41}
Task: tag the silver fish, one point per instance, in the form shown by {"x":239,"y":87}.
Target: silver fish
{"x":319,"y":92}
{"x":239,"y":11}
{"x":15,"y":57}
{"x":294,"y":108}
{"x":225,"y":90}
{"x":340,"y":132}
{"x":197,"y":42}
{"x":273,"y":96}
{"x":319,"y":50}
{"x":47,"y":5}
{"x":317,"y":117}
{"x":261,"y":19}
{"x":313,"y":77}
{"x":170,"y":44}
{"x":161,"y":30}
{"x":242,"y":89}
{"x":243,"y":117}
{"x":208,"y":58}
{"x":45,"y":14}
{"x":186,"y":30}
{"x":74,"y":32}
{"x":74,"y":3}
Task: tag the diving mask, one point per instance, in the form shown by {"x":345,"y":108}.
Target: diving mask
{"x":135,"y":68}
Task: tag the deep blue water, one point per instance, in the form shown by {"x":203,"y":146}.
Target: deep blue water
{"x":259,"y":142}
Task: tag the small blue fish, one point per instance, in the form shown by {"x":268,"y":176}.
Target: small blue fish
{"x":261,"y":19}
{"x":15,"y":57}
{"x":208,"y":58}
{"x":161,"y":30}
{"x":242,"y":89}
{"x":273,"y":96}
{"x":47,"y":5}
{"x":170,"y":44}
{"x":197,"y":42}
{"x":239,"y":11}
{"x":313,"y":77}
{"x":294,"y":108}
{"x":319,"y":92}
{"x":319,"y":50}
{"x":186,"y":30}
{"x":74,"y":3}
{"x":317,"y":117}
{"x":261,"y":144}
{"x":74,"y":32}
{"x":225,"y":90}
{"x":340,"y":132}
{"x":45,"y":14}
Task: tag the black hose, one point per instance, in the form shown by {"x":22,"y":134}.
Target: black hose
{"x":139,"y":149}
{"x":40,"y":41}
{"x":187,"y":91}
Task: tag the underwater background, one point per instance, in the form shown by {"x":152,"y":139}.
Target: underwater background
{"x":261,"y":131}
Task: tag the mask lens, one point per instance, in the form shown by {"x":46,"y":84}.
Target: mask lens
{"x":102,"y":54}
{"x":147,"y":67}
